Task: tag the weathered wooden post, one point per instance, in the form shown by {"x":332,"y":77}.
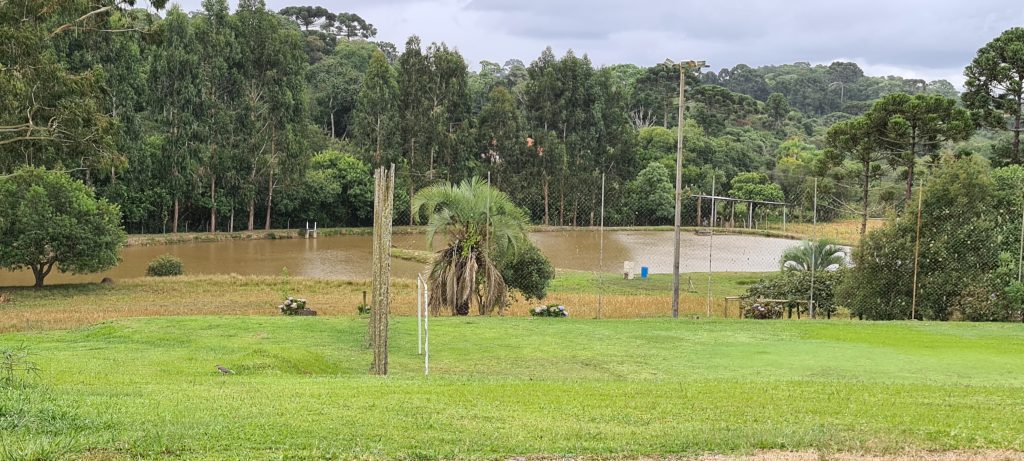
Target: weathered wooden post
{"x":383,"y":212}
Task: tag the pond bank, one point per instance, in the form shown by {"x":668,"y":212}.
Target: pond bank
{"x":287,"y":234}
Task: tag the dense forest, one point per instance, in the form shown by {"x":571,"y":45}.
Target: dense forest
{"x":225,"y":120}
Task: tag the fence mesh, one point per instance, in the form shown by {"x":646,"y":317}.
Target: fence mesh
{"x":946,"y":248}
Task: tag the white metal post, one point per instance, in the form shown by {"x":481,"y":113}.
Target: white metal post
{"x":419,"y":314}
{"x":426,"y":331}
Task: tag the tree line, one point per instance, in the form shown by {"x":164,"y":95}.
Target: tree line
{"x":223,"y":120}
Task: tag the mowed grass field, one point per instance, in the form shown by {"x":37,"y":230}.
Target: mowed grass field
{"x":146,"y":388}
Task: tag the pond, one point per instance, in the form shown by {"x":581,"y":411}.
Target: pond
{"x":348,"y":256}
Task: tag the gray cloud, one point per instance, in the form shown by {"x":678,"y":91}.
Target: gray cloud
{"x":919,"y":38}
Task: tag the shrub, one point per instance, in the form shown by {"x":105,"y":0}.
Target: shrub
{"x":981,"y":302}
{"x":796,"y":285}
{"x":363,"y":309}
{"x":551,"y":310}
{"x":165,"y":266}
{"x":295,"y":306}
{"x":529,"y":272}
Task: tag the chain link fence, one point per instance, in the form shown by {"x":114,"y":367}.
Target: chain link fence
{"x":947,"y":248}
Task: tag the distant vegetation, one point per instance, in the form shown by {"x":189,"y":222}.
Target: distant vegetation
{"x":225,"y":120}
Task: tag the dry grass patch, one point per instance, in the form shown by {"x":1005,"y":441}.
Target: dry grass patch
{"x":72,"y":306}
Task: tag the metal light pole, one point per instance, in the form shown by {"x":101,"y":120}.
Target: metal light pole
{"x":679,"y":179}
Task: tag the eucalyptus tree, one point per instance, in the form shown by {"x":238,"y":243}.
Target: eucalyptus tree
{"x":219,"y":87}
{"x":414,"y":108}
{"x":273,"y":100}
{"x":657,"y":92}
{"x":543,"y":115}
{"x":376,"y":117}
{"x":500,"y":131}
{"x":450,"y":111}
{"x":995,"y":84}
{"x":175,"y":90}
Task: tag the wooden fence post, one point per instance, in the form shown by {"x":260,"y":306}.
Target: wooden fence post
{"x":383,"y":212}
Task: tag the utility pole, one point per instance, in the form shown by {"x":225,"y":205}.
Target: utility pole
{"x":679,"y":179}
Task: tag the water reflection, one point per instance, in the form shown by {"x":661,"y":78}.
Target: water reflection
{"x":349,"y":256}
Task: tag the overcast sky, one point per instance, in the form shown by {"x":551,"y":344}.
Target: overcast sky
{"x":929,"y":39}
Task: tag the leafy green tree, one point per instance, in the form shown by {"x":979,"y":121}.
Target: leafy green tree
{"x":714,"y":107}
{"x":334,"y":85}
{"x":755,"y":186}
{"x":907,"y":127}
{"x":273,"y":66}
{"x":656,"y":93}
{"x":338,"y":190}
{"x":480,"y":225}
{"x":959,"y":245}
{"x":995,"y":84}
{"x":500,"y":132}
{"x":49,"y":115}
{"x":777,"y":108}
{"x":651,"y":196}
{"x":527,"y":271}
{"x":48,"y":219}
{"x":820,"y":255}
{"x":376,"y":117}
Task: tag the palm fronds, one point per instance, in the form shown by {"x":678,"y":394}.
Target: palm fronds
{"x":478,"y":222}
{"x":822,"y":255}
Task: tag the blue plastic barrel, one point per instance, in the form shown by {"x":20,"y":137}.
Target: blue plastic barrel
{"x":643,"y":272}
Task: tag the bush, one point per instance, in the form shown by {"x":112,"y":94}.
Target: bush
{"x":981,"y":302}
{"x":363,"y":309}
{"x":551,"y":310}
{"x":796,"y":285}
{"x":165,"y":266}
{"x":528,"y":272}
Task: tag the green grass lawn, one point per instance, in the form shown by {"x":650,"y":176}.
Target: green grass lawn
{"x":722,"y":283}
{"x":146,"y":388}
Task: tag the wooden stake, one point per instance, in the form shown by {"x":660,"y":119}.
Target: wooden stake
{"x":383,"y":213}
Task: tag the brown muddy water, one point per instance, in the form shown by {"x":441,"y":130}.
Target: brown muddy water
{"x":348,"y":256}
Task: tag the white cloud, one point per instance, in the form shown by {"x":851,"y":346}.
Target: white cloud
{"x":930,"y":39}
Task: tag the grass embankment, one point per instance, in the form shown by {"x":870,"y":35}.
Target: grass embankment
{"x":507,"y":387}
{"x":71,"y":306}
{"x":843,"y":232}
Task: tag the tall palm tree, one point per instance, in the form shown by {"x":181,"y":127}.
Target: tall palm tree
{"x":478,"y":223}
{"x":822,"y":255}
